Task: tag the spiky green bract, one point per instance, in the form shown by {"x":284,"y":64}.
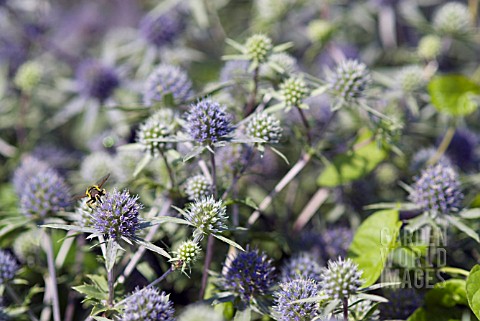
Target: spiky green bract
{"x":341,"y":279}
{"x":187,"y":253}
{"x":159,"y":126}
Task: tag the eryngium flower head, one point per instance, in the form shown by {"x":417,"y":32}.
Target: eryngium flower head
{"x":420,"y":159}
{"x":341,"y":279}
{"x":437,"y":190}
{"x":188,"y":252}
{"x":28,"y":76}
{"x":266,"y":127}
{"x":411,"y":78}
{"x":249,"y":274}
{"x":293,"y":90}
{"x":200,"y":313}
{"x":26,"y":248}
{"x":452,"y":19}
{"x":207,"y":216}
{"x":461,"y":149}
{"x":96,"y":80}
{"x":117,"y":215}
{"x":302,"y":265}
{"x":298,"y":289}
{"x":349,"y":80}
{"x":208,"y":122}
{"x":258,"y":48}
{"x":155,"y":128}
{"x":402,"y":302}
{"x":286,"y":62}
{"x":165,"y":80}
{"x":95,"y":165}
{"x":198,"y":186}
{"x":148,"y":305}
{"x":429,"y":47}
{"x":44,"y":194}
{"x":335,"y":242}
{"x":8,"y":267}
{"x":84,"y":213}
{"x":234,"y":70}
{"x":164,"y":29}
{"x":29,"y":167}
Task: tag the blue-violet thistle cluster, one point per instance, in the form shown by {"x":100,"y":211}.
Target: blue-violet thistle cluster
{"x":165,"y":80}
{"x":96,"y":80}
{"x":302,"y":265}
{"x":8,"y":267}
{"x":148,"y":304}
{"x":207,"y":216}
{"x":286,"y":309}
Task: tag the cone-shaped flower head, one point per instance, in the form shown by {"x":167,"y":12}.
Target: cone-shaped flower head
{"x":208,"y":122}
{"x":8,"y":267}
{"x":164,"y":80}
{"x":188,"y":252}
{"x":429,"y":47}
{"x":302,"y":265}
{"x":297,"y":289}
{"x":44,"y":194}
{"x":207,"y":216}
{"x":158,"y":126}
{"x":163,"y":29}
{"x":341,"y":279}
{"x":437,"y":190}
{"x":258,"y":48}
{"x":198,"y":186}
{"x":452,"y":19}
{"x":148,"y":304}
{"x":411,"y":78}
{"x":29,"y":167}
{"x":293,"y":90}
{"x":200,"y":312}
{"x":349,"y":80}
{"x":96,"y":80}
{"x":249,"y":274}
{"x":117,"y":215}
{"x":335,"y":242}
{"x":264,"y":126}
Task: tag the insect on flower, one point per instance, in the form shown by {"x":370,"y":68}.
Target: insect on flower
{"x":94,"y":192}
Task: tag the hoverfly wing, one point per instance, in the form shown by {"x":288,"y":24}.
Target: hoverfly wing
{"x":103,"y":180}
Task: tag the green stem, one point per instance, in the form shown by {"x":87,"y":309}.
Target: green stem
{"x":442,"y":148}
{"x":11,"y":292}
{"x":345,"y":308}
{"x":169,"y":170}
{"x":306,"y":124}
{"x":52,"y":276}
{"x":251,"y":102}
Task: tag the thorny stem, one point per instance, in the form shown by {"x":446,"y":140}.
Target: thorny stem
{"x":11,"y":292}
{"x":251,"y":102}
{"x":211,"y":239}
{"x":169,"y":170}
{"x":345,"y":308}
{"x":442,"y":148}
{"x":52,"y":276}
{"x":306,"y":124}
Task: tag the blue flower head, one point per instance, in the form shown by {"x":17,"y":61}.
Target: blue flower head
{"x":148,"y":304}
{"x":302,"y":265}
{"x":294,"y":290}
{"x":96,"y":80}
{"x":208,"y":122}
{"x":164,"y":80}
{"x":29,"y":166}
{"x":117,"y":215}
{"x":249,"y":274}
{"x":8,"y":267}
{"x":163,"y":29}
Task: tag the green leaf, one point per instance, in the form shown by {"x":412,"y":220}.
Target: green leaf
{"x":111,"y":254}
{"x":244,"y":315}
{"x":464,"y":228}
{"x":473,"y":290}
{"x":91,"y":291}
{"x":452,"y":94}
{"x":70,"y":228}
{"x":228,"y":241}
{"x":102,"y":319}
{"x":354,"y":164}
{"x":142,"y":164}
{"x":152,"y":247}
{"x":472,"y":213}
{"x":168,"y":219}
{"x":197,"y":150}
{"x":375,"y":238}
{"x":447,"y":294}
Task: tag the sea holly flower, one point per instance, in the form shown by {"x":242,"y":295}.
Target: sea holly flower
{"x":163,"y":29}
{"x":265,"y":127}
{"x":437,"y":190}
{"x":248,"y":275}
{"x":335,"y":242}
{"x":186,"y":254}
{"x":8,"y":267}
{"x":207,"y":216}
{"x":341,"y":279}
{"x":29,"y":166}
{"x":411,"y":79}
{"x":302,"y":265}
{"x":148,"y":304}
{"x":96,"y":80}
{"x":198,"y":186}
{"x":151,"y":133}
{"x":349,"y":80}
{"x":293,"y":91}
{"x":286,"y":309}
{"x":452,"y":19}
{"x":429,"y":47}
{"x":208,"y":122}
{"x":167,"y":80}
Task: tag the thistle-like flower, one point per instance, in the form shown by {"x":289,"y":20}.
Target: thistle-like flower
{"x":8,"y":267}
{"x":341,"y":279}
{"x":95,"y":165}
{"x":282,"y":62}
{"x":293,"y":91}
{"x":187,"y":253}
{"x":258,"y":48}
{"x":26,"y":248}
{"x":462,"y":149}
{"x":411,"y":78}
{"x":28,"y":76}
{"x":302,"y":265}
{"x":452,"y":19}
{"x":234,"y":70}
{"x":165,"y":80}
{"x":249,"y":274}
{"x":286,"y":310}
{"x":437,"y":190}
{"x":29,"y":167}
{"x":164,"y":29}
{"x":266,"y":127}
{"x":420,"y":159}
{"x":429,"y":47}
{"x":335,"y":242}
{"x":154,"y":128}
{"x":208,"y":122}
{"x":117,"y":215}
{"x":200,"y":312}
{"x":207,"y":216}
{"x":349,"y":80}
{"x":198,"y":186}
{"x":148,"y":304}
{"x":96,"y":80}
{"x":44,"y":194}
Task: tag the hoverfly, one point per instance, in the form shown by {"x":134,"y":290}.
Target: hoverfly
{"x":94,"y":192}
